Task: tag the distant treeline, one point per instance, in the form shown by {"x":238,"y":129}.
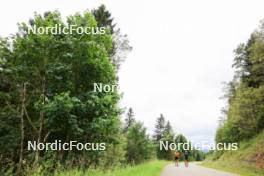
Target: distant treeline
{"x":151,"y":147}
{"x":243,"y":116}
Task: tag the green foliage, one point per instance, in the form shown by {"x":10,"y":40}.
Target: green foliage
{"x":64,"y":113}
{"x":194,"y":155}
{"x":55,"y":76}
{"x":129,"y":121}
{"x":104,"y":17}
{"x":246,"y":161}
{"x":245,"y":113}
{"x":164,"y":132}
{"x":152,"y":168}
{"x":159,"y":128}
{"x":121,"y":46}
{"x":139,"y":147}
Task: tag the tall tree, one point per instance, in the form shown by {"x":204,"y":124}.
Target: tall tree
{"x":58,"y":101}
{"x":245,"y":97}
{"x":104,"y":18}
{"x":139,"y":146}
{"x":121,"y":46}
{"x":163,"y":133}
{"x":168,"y":128}
{"x":168,"y":136}
{"x":159,"y":128}
{"x":130,"y":120}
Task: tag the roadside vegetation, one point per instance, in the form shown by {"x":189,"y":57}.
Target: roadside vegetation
{"x":243,"y":116}
{"x":47,"y":94}
{"x":247,"y":161}
{"x":153,"y":168}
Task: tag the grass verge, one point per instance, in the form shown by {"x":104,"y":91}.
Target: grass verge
{"x":152,"y":168}
{"x":248,"y":160}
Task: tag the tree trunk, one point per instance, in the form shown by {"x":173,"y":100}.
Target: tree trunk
{"x":41,"y":124}
{"x":23,"y":100}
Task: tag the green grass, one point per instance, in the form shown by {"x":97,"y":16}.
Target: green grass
{"x":241,"y":161}
{"x":152,"y":168}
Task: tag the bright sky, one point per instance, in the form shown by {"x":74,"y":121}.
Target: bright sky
{"x":182,"y":52}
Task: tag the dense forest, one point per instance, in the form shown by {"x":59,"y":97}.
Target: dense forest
{"x":243,"y":116}
{"x":46,"y":94}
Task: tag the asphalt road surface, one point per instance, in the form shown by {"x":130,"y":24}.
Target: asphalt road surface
{"x":192,"y":170}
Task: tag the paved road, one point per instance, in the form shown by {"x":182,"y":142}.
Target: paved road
{"x":192,"y":170}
